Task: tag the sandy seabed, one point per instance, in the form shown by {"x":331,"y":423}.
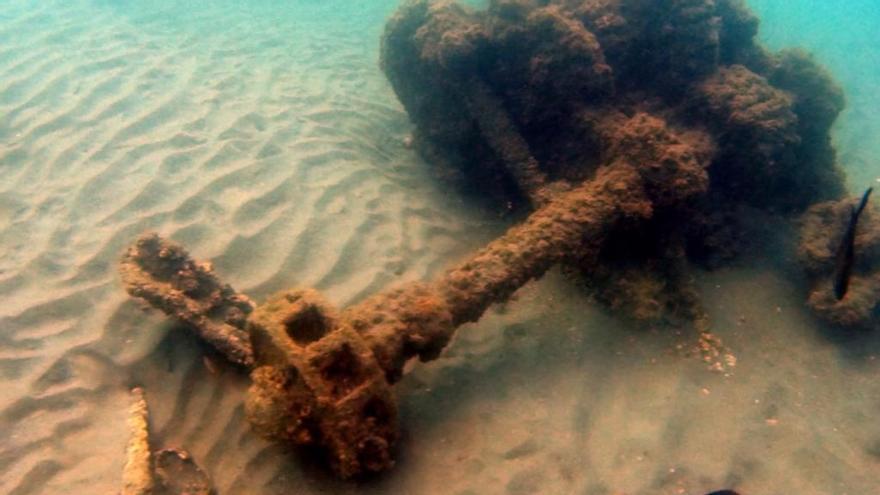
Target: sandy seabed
{"x":266,"y":139}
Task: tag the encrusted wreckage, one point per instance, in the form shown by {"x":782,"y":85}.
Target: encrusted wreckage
{"x":634,"y":130}
{"x":165,"y":472}
{"x":324,"y":376}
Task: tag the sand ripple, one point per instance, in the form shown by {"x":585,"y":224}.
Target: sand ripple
{"x":262,"y":135}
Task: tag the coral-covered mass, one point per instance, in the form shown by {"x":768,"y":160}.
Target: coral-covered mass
{"x":525,"y":98}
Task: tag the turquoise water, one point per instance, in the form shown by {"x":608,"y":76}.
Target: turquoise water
{"x":263,"y":136}
{"x":840,"y":35}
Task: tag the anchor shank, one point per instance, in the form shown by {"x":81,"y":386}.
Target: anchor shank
{"x":419,"y":319}
{"x":646,"y":165}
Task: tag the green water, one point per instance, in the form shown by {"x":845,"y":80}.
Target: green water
{"x":840,"y":35}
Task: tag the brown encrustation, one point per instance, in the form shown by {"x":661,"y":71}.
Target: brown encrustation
{"x":632,"y":129}
{"x":322,"y":376}
{"x":162,"y":274}
{"x":822,"y":228}
{"x":502,"y":98}
{"x":137,"y":474}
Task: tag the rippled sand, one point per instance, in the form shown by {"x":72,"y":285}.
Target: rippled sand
{"x":266,"y":140}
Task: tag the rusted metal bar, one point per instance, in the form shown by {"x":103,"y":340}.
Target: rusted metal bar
{"x":501,"y":134}
{"x":137,"y":475}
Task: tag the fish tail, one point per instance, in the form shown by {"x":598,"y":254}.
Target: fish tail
{"x":863,"y":202}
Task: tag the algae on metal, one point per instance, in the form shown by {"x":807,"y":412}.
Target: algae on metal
{"x":628,"y":128}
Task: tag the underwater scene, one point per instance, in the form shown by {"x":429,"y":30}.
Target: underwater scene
{"x":586,"y":247}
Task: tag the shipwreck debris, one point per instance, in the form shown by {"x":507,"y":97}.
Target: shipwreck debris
{"x":627,"y":137}
{"x":137,"y":475}
{"x":508,"y":97}
{"x":166,"y":277}
{"x":323,"y":376}
{"x":178,"y":474}
{"x":845,"y":255}
{"x":166,"y":472}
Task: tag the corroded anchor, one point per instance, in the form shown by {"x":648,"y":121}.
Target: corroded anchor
{"x":322,"y":376}
{"x":551,"y":96}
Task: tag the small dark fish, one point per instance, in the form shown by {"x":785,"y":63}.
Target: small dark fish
{"x":846,"y":251}
{"x":723,"y":492}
